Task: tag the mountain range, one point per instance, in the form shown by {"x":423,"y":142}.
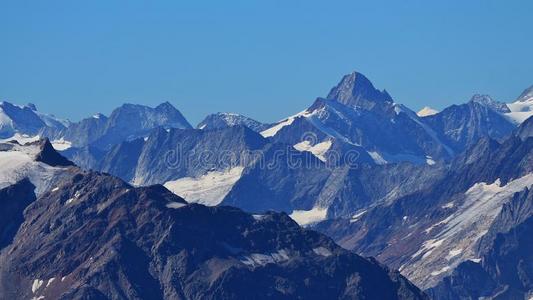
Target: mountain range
{"x":443,"y":197}
{"x":93,"y":236}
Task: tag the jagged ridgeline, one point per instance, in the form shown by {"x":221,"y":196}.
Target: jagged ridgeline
{"x":441,"y":196}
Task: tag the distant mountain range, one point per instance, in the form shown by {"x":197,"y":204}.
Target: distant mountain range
{"x":441,"y":196}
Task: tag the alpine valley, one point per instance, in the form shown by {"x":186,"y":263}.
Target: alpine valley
{"x":355,"y":197}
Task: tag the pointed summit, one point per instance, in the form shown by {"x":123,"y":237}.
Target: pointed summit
{"x":357,"y":91}
{"x":31,"y":106}
{"x":49,"y":155}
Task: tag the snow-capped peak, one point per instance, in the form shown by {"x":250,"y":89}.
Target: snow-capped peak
{"x":427,"y":111}
{"x":522,"y":108}
{"x":527,"y":95}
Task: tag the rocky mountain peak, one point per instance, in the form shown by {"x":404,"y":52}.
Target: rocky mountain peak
{"x":166,"y":106}
{"x":356,"y":90}
{"x":99,"y":116}
{"x":482,"y":98}
{"x":487,"y":101}
{"x":48,"y":155}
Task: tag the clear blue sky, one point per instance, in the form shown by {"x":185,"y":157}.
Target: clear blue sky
{"x":265,"y":58}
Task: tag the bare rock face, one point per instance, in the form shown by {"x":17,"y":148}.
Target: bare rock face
{"x":526,"y":129}
{"x":462,"y":126}
{"x":13,"y":200}
{"x":49,"y":156}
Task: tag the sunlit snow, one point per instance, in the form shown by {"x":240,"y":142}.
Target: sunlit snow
{"x":307,"y":217}
{"x":209,"y":189}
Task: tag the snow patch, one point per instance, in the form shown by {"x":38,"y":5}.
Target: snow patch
{"x":307,"y":217}
{"x":259,"y":217}
{"x":428,"y":230}
{"x":378,"y":159}
{"x":444,"y":269}
{"x":50,"y":281}
{"x":357,"y":216}
{"x":427,"y":111}
{"x":175,"y":205}
{"x":260,"y":259}
{"x":209,"y":189}
{"x":453,"y":253}
{"x":323,"y":251}
{"x":448,"y":205}
{"x":37,"y":283}
{"x":427,"y":247}
{"x":318,"y":150}
{"x":61,"y":144}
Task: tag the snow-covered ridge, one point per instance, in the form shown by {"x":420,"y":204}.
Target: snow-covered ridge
{"x":277,"y":127}
{"x":262,"y":259}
